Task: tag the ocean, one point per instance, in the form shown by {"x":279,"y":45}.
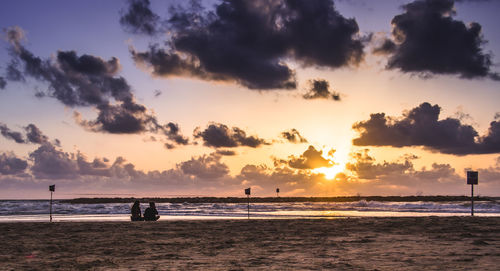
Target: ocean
{"x":38,"y":210}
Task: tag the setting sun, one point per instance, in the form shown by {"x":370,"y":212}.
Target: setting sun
{"x":337,"y":156}
{"x":330,"y":172}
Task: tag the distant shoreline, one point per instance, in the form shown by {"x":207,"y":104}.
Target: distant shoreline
{"x":277,"y":199}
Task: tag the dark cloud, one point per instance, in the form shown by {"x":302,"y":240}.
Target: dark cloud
{"x":320,"y":89}
{"x":293,"y":136}
{"x":226,"y":152}
{"x":387,"y":47}
{"x":157,"y":93}
{"x":319,"y":35}
{"x":98,"y":167}
{"x":421,"y":127}
{"x":34,"y":135}
{"x":310,"y":159}
{"x":85,"y":81}
{"x":51,"y":163}
{"x":169,"y":146}
{"x":150,"y":138}
{"x":3,"y":83}
{"x":9,"y":134}
{"x":219,"y":135}
{"x":366,"y":168}
{"x":11,"y":165}
{"x":248,"y":42}
{"x":427,"y":40}
{"x":118,"y":119}
{"x":497,"y":116}
{"x":169,"y":63}
{"x":172,"y":131}
{"x":205,"y":167}
{"x":80,"y":80}
{"x":57,"y":142}
{"x":88,"y":80}
{"x":13,"y":73}
{"x":139,"y":18}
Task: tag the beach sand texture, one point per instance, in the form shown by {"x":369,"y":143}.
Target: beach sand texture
{"x":425,"y":243}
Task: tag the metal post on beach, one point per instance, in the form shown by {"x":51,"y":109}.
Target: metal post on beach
{"x":472,"y":179}
{"x":247,"y":192}
{"x":471,"y":200}
{"x":50,"y":206}
{"x":52,"y":188}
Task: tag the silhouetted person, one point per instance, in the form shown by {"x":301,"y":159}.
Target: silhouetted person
{"x":151,"y":214}
{"x":136,"y":212}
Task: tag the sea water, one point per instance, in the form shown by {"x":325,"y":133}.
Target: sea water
{"x":38,"y":210}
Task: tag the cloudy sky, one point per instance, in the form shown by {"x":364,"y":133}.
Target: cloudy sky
{"x":206,"y":98}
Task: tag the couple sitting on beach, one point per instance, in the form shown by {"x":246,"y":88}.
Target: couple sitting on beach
{"x":150,"y":214}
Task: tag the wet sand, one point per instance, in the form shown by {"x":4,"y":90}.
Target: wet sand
{"x":425,"y":243}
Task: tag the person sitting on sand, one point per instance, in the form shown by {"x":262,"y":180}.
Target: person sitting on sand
{"x":151,"y":214}
{"x":136,"y":212}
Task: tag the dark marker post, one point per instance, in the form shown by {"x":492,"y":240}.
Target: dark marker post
{"x":52,"y":188}
{"x":472,"y":179}
{"x":247,"y":192}
{"x":277,"y":192}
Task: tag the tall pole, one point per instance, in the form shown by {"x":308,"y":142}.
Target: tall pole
{"x":50,"y":206}
{"x":248,"y":205}
{"x":472,"y":179}
{"x":472,"y":200}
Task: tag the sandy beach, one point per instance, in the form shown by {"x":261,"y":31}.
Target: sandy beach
{"x":428,"y":243}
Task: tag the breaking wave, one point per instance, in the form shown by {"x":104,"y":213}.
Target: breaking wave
{"x":38,"y":207}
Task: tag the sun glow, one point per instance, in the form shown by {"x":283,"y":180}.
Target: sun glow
{"x":339,"y":157}
{"x":330,"y":172}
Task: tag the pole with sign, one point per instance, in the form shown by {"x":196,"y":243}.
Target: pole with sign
{"x":472,"y":179}
{"x":277,"y":192}
{"x":247,"y":192}
{"x":52,"y":189}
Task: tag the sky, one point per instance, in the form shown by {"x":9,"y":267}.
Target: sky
{"x":206,"y":98}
